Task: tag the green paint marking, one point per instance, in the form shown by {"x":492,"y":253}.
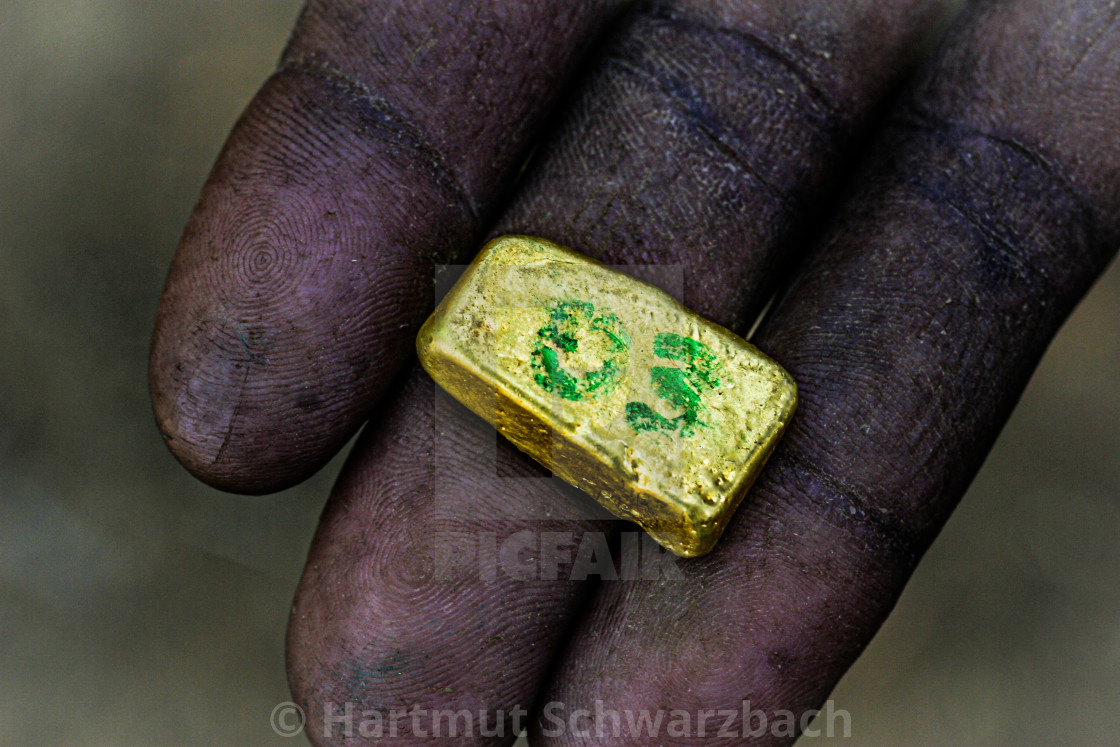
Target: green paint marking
{"x":641,"y":417}
{"x":679,"y":387}
{"x":557,"y":353}
{"x":569,"y":321}
{"x":700,"y":362}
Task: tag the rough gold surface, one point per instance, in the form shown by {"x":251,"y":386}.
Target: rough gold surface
{"x":664,"y":417}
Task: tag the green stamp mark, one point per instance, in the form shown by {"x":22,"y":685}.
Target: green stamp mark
{"x":579,"y":336}
{"x":581,"y":355}
{"x":679,"y":387}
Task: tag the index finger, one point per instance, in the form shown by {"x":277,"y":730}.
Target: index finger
{"x":376,"y":150}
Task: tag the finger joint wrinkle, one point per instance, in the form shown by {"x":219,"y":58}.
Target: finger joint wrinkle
{"x":660,"y":40}
{"x":822,"y":498}
{"x":382,"y":120}
{"x":1101,"y":33}
{"x":1032,"y":220}
{"x":753,"y":43}
{"x":705,"y":122}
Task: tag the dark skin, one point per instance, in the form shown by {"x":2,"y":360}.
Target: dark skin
{"x":918,"y":289}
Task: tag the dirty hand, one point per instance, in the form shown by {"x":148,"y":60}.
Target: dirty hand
{"x":715,"y":137}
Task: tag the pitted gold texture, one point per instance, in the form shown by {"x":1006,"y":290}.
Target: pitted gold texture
{"x":662,"y":416}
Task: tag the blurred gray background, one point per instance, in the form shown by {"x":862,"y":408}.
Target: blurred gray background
{"x":139,"y":607}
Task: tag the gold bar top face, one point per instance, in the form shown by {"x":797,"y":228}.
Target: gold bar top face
{"x":662,"y":416}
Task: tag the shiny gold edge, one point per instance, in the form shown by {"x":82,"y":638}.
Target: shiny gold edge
{"x":530,"y":432}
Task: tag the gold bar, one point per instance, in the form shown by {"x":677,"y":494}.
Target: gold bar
{"x":662,"y":416}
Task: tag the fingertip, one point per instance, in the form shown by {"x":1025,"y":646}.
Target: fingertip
{"x":294,"y":293}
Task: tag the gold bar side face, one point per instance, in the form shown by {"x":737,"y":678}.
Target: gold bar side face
{"x":663,"y":417}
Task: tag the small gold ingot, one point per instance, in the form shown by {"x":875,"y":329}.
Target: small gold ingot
{"x":662,"y":416}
